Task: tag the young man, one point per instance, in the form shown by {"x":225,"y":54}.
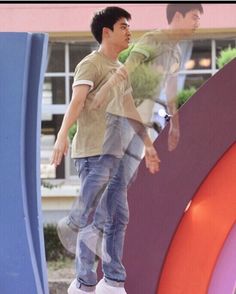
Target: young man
{"x":157,"y":55}
{"x":99,"y":147}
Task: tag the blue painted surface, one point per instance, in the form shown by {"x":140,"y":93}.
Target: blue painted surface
{"x":23,"y":266}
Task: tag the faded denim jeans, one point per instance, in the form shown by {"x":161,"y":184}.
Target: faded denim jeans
{"x":103,"y":213}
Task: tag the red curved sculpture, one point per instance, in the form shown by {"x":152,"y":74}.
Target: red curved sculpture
{"x":202,"y":232}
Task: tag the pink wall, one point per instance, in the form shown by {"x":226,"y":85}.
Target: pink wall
{"x":76,"y":17}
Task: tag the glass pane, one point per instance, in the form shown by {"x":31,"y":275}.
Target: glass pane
{"x":47,"y":99}
{"x":78,"y":51}
{"x":48,"y":171}
{"x":223,"y":44}
{"x":201,"y":55}
{"x":56,"y":54}
{"x":196,"y":80}
{"x":54,"y":90}
{"x":49,"y":132}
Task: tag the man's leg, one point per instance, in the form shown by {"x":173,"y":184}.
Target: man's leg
{"x":68,"y":226}
{"x":115,"y":205}
{"x":97,"y":179}
{"x":94,"y":182}
{"x":94,"y":173}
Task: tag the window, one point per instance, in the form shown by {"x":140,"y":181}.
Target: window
{"x":201,"y":64}
{"x":201,"y":56}
{"x":195,"y":80}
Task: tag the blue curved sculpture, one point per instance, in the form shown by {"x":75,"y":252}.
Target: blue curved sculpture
{"x":23,"y":266}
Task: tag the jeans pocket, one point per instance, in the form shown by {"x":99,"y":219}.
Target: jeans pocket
{"x":85,"y":165}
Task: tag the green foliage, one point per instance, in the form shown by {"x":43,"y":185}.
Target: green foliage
{"x":125,"y":53}
{"x":145,"y":78}
{"x":72,"y":131}
{"x":184,"y":95}
{"x":47,"y":184}
{"x":53,"y":248}
{"x":145,"y":81}
{"x":226,"y":56}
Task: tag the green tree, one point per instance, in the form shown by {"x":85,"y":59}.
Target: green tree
{"x":184,"y":95}
{"x":144,"y":79}
{"x":226,"y":55}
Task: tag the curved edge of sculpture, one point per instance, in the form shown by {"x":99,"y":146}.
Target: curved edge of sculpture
{"x":157,"y":203}
{"x":37,"y":68}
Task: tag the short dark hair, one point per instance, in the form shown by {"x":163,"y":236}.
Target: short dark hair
{"x":182,"y":8}
{"x":107,"y":18}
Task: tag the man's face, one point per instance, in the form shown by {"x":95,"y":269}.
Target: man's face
{"x":190,"y":22}
{"x":120,"y":36}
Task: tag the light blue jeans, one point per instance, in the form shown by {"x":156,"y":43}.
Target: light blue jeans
{"x":103,"y":211}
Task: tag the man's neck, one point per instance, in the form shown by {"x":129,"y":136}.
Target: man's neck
{"x":173,"y":34}
{"x":109,"y":52}
{"x":177,"y":34}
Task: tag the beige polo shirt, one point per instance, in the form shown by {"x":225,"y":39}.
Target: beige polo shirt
{"x":94,"y":70}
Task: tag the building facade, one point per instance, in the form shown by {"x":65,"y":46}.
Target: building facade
{"x":70,"y":40}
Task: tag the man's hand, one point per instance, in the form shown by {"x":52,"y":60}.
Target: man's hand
{"x":173,"y":137}
{"x":60,"y":148}
{"x":152,"y":160}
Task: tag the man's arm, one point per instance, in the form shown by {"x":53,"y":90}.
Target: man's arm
{"x":130,"y":112}
{"x":74,"y":109}
{"x":174,"y":131}
{"x":151,"y":156}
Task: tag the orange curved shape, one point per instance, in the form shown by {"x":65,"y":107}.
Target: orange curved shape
{"x":202,"y":231}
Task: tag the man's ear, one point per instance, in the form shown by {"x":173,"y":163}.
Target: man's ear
{"x":106,"y":32}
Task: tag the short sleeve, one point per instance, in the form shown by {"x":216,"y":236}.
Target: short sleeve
{"x":146,"y":46}
{"x":140,"y":53}
{"x":86,"y":73}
